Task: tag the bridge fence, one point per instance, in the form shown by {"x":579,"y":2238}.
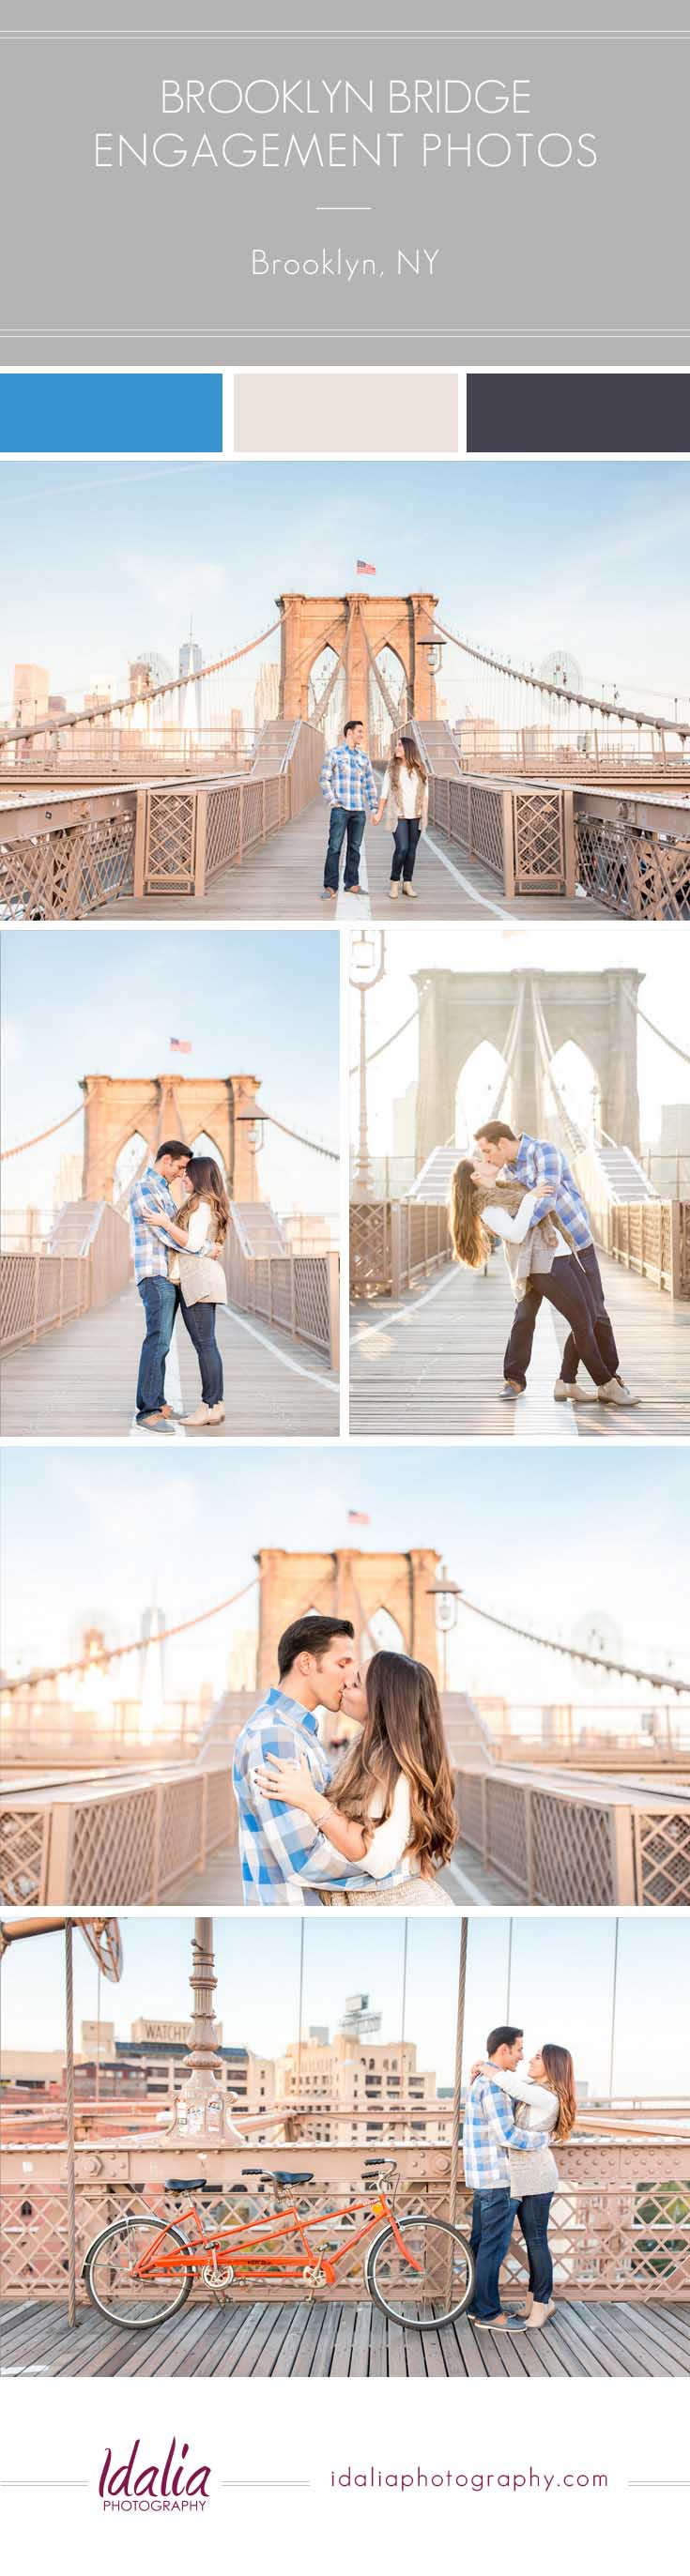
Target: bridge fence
{"x":395,"y":1244}
{"x":619,"y":2230}
{"x":106,"y":1845}
{"x":630,"y":854}
{"x":565,"y":1846}
{"x":300,"y":1291}
{"x":39,"y":1290}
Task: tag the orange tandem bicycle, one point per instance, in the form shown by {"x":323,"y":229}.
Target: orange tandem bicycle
{"x":418,"y":2269}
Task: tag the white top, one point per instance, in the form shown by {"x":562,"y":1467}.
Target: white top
{"x":534,"y":2173}
{"x":513,"y":1229}
{"x":197,"y":1235}
{"x":388,"y":1846}
{"x":406,"y":792}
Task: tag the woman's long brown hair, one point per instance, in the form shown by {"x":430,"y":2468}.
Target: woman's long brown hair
{"x":558,"y":2065}
{"x":468,"y":1236}
{"x":412,"y":758}
{"x":402,"y":1731}
{"x":207,"y":1186}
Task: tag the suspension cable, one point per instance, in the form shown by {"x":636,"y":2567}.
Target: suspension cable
{"x":331,"y":1151}
{"x":556,"y":689}
{"x":576,"y":1654}
{"x":386,"y":1042}
{"x":11,"y":1150}
{"x":638,"y":1014}
{"x":113,"y":1654}
{"x":149,"y":697}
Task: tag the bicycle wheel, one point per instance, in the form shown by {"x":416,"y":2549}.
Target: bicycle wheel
{"x":430,"y":2282}
{"x":109,"y":2272}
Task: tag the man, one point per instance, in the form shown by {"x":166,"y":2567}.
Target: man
{"x":489,"y":2135}
{"x":349,"y":787}
{"x":541,"y":1166}
{"x":285,"y":1860}
{"x":151,"y":1211}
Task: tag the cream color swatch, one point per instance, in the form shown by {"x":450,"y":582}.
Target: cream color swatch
{"x":353,"y":413}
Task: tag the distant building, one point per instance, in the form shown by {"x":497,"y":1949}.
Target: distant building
{"x":266,"y":694}
{"x":68,"y":1178}
{"x":30,"y":693}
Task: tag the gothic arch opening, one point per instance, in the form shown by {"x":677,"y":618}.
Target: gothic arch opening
{"x":579,"y":1085}
{"x":321,"y":672}
{"x":394,"y":675}
{"x":130,"y":1160}
{"x":205,"y":1144}
{"x":382,"y":1630}
{"x":478,"y":1086}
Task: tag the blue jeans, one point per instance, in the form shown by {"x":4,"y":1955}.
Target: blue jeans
{"x":533,"y":2218}
{"x":602,"y":1321}
{"x":344,"y":822}
{"x":405,"y":840}
{"x":160,"y":1299}
{"x":567,"y":1288}
{"x":201,"y":1326}
{"x":492,"y":2227}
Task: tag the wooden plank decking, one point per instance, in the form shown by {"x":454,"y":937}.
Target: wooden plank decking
{"x":334,"y":2339}
{"x":466,"y":1881}
{"x":80,"y":1381}
{"x":283,"y":882}
{"x":431,"y":1364}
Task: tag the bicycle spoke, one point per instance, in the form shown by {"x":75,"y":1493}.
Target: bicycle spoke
{"x":427,"y":2279}
{"x":114,"y":2272}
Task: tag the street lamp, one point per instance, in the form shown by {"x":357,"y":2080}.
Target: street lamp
{"x":447,"y":1594}
{"x":367,"y":965}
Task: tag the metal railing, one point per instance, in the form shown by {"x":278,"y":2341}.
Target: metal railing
{"x":523,"y":833}
{"x":300,"y":1291}
{"x":633,"y":853}
{"x":67,"y":855}
{"x":39,"y":1290}
{"x":619,"y":2227}
{"x":571,"y":1846}
{"x":652,"y":1237}
{"x":601,"y":753}
{"x":35,"y":1730}
{"x":395,"y":1243}
{"x":630,"y":854}
{"x":113,"y":1845}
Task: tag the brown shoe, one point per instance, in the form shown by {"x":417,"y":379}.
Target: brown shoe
{"x":154,"y":1422}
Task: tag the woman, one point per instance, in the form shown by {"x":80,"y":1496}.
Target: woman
{"x":202,"y":1221}
{"x":543,"y":1252}
{"x":391,"y":1802}
{"x":405,"y":796}
{"x":546,"y":2101}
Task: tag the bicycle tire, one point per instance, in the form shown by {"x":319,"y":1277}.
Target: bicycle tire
{"x":383,"y":2245}
{"x":154,"y":2316}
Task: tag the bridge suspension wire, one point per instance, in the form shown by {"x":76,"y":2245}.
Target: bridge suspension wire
{"x":391,"y":709}
{"x":574,"y":1134}
{"x":28,"y":1141}
{"x":592,"y":702}
{"x":330,"y":1151}
{"x":577,"y":1654}
{"x":148,"y":698}
{"x":386,"y":1042}
{"x":638,"y":1014}
{"x":114,"y":1654}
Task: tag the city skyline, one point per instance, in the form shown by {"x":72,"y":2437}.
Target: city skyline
{"x":663,"y":1075}
{"x":224,"y":993}
{"x":590,"y":558}
{"x":82,"y":1545}
{"x":557,"y":1979}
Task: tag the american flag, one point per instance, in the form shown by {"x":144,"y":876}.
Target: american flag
{"x":362,"y":1519}
{"x":180,"y":1046}
{"x":364,"y":567}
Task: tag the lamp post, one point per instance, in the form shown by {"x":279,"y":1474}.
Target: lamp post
{"x":367,"y":965}
{"x":255,"y":1123}
{"x":201,"y":2102}
{"x":447,"y":1594}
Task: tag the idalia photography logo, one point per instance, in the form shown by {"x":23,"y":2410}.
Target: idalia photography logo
{"x":138,"y":2485}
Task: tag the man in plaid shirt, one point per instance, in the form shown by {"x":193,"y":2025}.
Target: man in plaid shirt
{"x":541,"y":1166}
{"x":489,"y":2134}
{"x":349,"y":787}
{"x":285,"y":1860}
{"x":151,"y":1210}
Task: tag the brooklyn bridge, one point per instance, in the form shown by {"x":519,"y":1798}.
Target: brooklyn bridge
{"x":545,"y":798}
{"x":427,"y":1336}
{"x":71,"y":1320}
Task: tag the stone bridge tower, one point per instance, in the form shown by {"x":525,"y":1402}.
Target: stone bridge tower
{"x":344,"y":623}
{"x":167,"y":1105}
{"x":456,"y":1011}
{"x":354,"y":1585}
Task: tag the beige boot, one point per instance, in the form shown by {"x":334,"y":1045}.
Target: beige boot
{"x":199,"y":1421}
{"x":217,"y":1412}
{"x":539,"y":2314}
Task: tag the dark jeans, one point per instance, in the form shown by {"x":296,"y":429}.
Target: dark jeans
{"x":533,"y":2218}
{"x":160,"y":1299}
{"x":492,"y":2227}
{"x":405,"y":840}
{"x":567,"y":1288}
{"x":602,"y":1321}
{"x":345,"y":824}
{"x":201,"y":1326}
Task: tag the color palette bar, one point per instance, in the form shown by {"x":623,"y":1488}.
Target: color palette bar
{"x":108,"y":414}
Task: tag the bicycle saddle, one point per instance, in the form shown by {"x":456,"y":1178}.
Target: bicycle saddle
{"x":198,"y":2182}
{"x":293,"y":2177}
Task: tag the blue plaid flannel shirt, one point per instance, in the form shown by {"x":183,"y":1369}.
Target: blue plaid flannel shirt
{"x":285,"y":1860}
{"x":488,"y":2132}
{"x":150,"y":1196}
{"x":347,"y":779}
{"x":542,"y":1167}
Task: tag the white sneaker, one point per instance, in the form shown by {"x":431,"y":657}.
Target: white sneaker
{"x":614,"y":1392}
{"x":573,"y":1393}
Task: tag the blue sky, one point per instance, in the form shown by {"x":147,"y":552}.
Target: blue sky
{"x":560,"y":1986}
{"x":659,"y":952}
{"x":100,"y":562}
{"x":109,"y":1002}
{"x":547,"y":1538}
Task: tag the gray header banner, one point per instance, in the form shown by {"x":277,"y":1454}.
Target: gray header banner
{"x":343,"y":199}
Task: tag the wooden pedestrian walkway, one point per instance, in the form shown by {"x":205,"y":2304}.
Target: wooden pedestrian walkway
{"x":340,"y":2339}
{"x":283,"y":882}
{"x":468,"y":1881}
{"x":80,"y":1381}
{"x":430,"y":1364}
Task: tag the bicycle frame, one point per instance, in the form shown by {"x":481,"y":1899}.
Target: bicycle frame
{"x":252,"y":2251}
